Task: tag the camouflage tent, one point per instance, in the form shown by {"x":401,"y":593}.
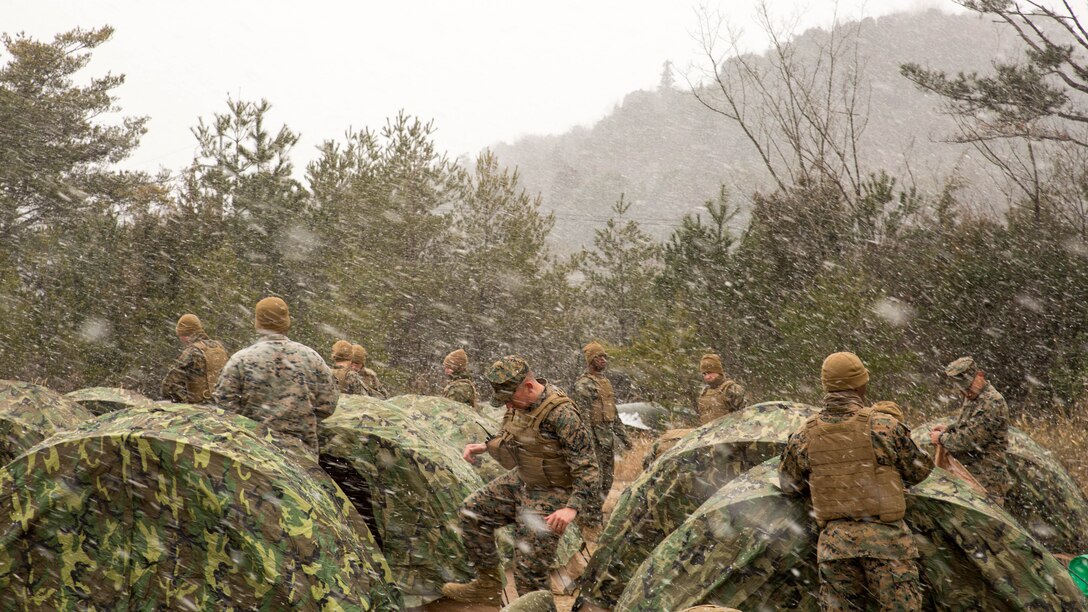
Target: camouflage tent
{"x":753,"y":548}
{"x":181,"y":507}
{"x":1042,"y":497}
{"x":100,"y":400}
{"x":30,"y":413}
{"x":456,"y":423}
{"x":674,"y":486}
{"x":416,"y":482}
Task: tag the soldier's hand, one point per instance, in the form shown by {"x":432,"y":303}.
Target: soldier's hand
{"x":559,"y":519}
{"x":472,"y":450}
{"x":935,"y":435}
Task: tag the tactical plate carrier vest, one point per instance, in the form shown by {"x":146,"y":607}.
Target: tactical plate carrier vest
{"x":540,"y":462}
{"x":846,"y":481}
{"x":341,"y":375}
{"x":215,"y":357}
{"x":604,"y":408}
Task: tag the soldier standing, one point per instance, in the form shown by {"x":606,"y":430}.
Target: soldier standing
{"x":195,"y":372}
{"x":459,"y":386}
{"x":979,"y":438}
{"x":374,"y":387}
{"x":720,"y":395}
{"x":596,"y":401}
{"x":855,"y":463}
{"x":282,"y":384}
{"x":348,"y":379}
{"x":553,"y":476}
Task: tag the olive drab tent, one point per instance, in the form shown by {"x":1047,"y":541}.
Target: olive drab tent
{"x":31,"y":413}
{"x":181,"y":507}
{"x":456,"y":423}
{"x":753,"y":548}
{"x":1042,"y":496}
{"x":100,"y":400}
{"x":416,"y":482}
{"x":675,"y":485}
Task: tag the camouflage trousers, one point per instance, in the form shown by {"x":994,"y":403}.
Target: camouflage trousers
{"x":505,"y":501}
{"x":847,"y":584}
{"x":604,"y":446}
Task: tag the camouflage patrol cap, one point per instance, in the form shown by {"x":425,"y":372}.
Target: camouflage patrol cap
{"x":505,"y":375}
{"x":964,"y":367}
{"x":341,"y":350}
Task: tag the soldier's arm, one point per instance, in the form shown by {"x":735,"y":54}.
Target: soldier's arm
{"x":325,"y":389}
{"x":228,"y":391}
{"x":978,"y":430}
{"x":458,"y":393}
{"x":621,"y":433}
{"x":737,"y":396}
{"x":900,"y":451}
{"x":574,"y":438}
{"x":584,"y":394}
{"x":792,"y":474}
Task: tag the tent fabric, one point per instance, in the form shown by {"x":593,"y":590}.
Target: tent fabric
{"x":31,"y":413}
{"x":751,"y":547}
{"x":675,"y":485}
{"x":456,"y":423}
{"x":181,"y":507}
{"x":100,"y":400}
{"x":1042,"y":496}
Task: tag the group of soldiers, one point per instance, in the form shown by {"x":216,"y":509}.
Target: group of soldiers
{"x":854,"y":460}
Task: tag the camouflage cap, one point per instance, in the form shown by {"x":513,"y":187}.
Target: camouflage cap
{"x":505,"y":375}
{"x":962,"y":367}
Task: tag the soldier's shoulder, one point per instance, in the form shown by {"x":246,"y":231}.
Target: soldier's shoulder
{"x":991,"y":394}
{"x":884,"y":423}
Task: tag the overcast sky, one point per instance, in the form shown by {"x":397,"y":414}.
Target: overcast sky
{"x":485,"y":70}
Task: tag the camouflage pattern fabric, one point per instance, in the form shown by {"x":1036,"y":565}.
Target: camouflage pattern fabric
{"x":374,"y":387}
{"x":456,"y":423}
{"x":190,"y":366}
{"x":31,"y":413}
{"x":184,"y":508}
{"x":282,"y":384}
{"x":585,"y":395}
{"x":417,"y":481}
{"x":661,"y":498}
{"x":892,"y":584}
{"x":460,"y":388}
{"x":663,"y":444}
{"x":348,"y":380}
{"x":537,"y":601}
{"x":979,"y":439}
{"x":459,"y":425}
{"x":1043,"y":497}
{"x":753,"y":548}
{"x":100,"y":400}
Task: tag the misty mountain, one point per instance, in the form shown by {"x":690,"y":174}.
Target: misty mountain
{"x":668,"y":154}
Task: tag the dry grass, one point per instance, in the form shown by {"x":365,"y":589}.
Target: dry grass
{"x":1067,"y":438}
{"x":629,"y":465}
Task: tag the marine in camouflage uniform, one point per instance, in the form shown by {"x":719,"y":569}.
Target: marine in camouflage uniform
{"x":855,"y":462}
{"x":282,"y":384}
{"x":195,"y":372}
{"x":346,"y":377}
{"x":374,"y":387}
{"x":459,"y":386}
{"x":596,"y":401}
{"x":979,"y":438}
{"x":720,"y":395}
{"x":553,"y":476}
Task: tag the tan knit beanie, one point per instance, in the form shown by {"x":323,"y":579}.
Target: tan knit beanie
{"x":188,"y":325}
{"x":456,"y":361}
{"x":341,"y":350}
{"x":358,"y":355}
{"x":843,"y":372}
{"x":272,"y":315}
{"x":591,"y":351}
{"x":711,"y":363}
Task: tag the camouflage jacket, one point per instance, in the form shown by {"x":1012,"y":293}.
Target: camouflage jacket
{"x":979,"y":439}
{"x":565,"y":426}
{"x":348,"y":380}
{"x":720,"y":399}
{"x":460,"y":388}
{"x":283,"y":384}
{"x":189,"y":366}
{"x":374,"y":387}
{"x":585,"y":394}
{"x":847,"y":539}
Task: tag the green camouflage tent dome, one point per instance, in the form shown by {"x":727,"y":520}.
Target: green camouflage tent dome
{"x":183,"y":508}
{"x":100,"y":400}
{"x":30,"y":413}
{"x":677,"y":483}
{"x":456,"y":423}
{"x":1043,"y":497}
{"x":752,"y":548}
{"x":416,"y":482}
